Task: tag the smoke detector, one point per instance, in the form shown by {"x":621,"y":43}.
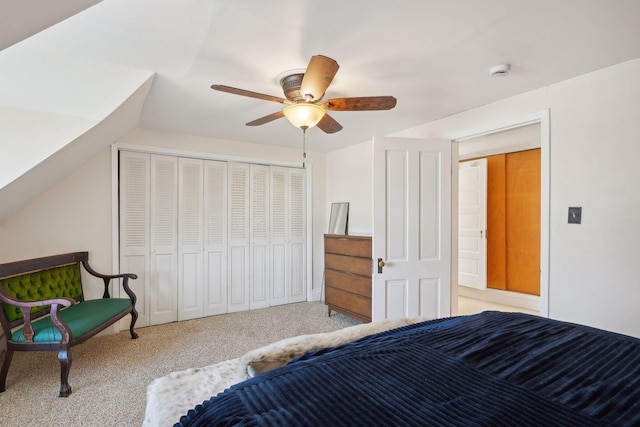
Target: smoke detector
{"x":500,"y":70}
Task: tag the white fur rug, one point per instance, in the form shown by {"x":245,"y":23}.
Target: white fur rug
{"x":171,"y":396}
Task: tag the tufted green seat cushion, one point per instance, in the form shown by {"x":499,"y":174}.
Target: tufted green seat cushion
{"x":81,"y":318}
{"x":40,"y":285}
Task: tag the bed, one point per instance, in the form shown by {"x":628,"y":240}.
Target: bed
{"x":492,"y":368}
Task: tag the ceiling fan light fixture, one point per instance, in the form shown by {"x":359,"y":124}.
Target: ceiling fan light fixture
{"x":304,"y":115}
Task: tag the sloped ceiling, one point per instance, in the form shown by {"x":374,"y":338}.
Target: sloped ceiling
{"x":434,"y":56}
{"x":22,"y":19}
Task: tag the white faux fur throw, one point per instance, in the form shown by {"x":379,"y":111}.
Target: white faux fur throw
{"x":171,"y":396}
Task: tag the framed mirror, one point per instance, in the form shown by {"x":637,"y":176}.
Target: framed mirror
{"x":339,"y":219}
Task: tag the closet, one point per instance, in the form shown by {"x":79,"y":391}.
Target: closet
{"x":513,"y":222}
{"x":208,"y":237}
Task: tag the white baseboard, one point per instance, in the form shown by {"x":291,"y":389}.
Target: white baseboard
{"x":516,"y":299}
{"x":316,"y":295}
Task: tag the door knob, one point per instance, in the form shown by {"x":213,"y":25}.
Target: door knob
{"x":380,"y":265}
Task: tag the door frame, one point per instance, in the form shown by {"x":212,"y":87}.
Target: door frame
{"x":541,"y":117}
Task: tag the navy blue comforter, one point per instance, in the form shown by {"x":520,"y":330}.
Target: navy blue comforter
{"x":490,"y":369}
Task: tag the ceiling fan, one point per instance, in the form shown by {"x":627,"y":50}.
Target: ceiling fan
{"x":304,"y":91}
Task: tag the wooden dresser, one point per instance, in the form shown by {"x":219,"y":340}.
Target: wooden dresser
{"x":348,"y":271}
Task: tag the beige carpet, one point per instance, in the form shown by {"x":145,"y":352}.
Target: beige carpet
{"x":110,"y":374}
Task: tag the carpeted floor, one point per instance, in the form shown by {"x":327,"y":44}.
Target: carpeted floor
{"x":109,"y":374}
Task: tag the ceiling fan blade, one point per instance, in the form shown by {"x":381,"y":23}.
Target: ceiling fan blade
{"x":318,"y":77}
{"x":248,"y":93}
{"x":329,"y":125}
{"x":366,"y":103}
{"x":266,"y":119}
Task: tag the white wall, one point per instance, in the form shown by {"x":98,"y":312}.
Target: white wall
{"x":349,"y":180}
{"x":595,"y":135}
{"x":595,"y":130}
{"x":73,"y":215}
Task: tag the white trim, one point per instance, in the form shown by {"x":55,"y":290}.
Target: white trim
{"x":115,"y":229}
{"x":516,"y":299}
{"x":205,"y":155}
{"x":545,"y":210}
{"x":309,"y":241}
{"x":545,"y":192}
{"x":123,"y":324}
{"x":483,"y":130}
{"x":454,"y":227}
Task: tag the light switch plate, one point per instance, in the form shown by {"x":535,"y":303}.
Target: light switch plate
{"x":575,"y":215}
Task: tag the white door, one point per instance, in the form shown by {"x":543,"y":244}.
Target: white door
{"x":411,"y":228}
{"x":280,"y":250}
{"x":215,"y":237}
{"x":190,"y":239}
{"x":297,"y":291}
{"x":163,"y":280}
{"x":134,"y":227}
{"x":239,"y":233}
{"x":472,"y":223}
{"x":288,"y":229}
{"x":259,"y":231}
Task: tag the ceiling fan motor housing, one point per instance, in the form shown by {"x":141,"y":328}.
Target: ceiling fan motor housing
{"x":291,"y":87}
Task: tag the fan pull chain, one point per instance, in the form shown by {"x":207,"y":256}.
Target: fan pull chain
{"x":304,"y":146}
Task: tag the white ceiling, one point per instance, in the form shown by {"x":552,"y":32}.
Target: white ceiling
{"x":434,"y":56}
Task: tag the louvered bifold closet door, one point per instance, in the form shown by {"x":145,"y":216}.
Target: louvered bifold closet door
{"x":163,"y":275}
{"x":215,"y":245}
{"x":134,"y":175}
{"x":287,"y":235}
{"x":297,"y":291}
{"x":259,"y":232}
{"x":190,"y":239}
{"x":239,"y":237}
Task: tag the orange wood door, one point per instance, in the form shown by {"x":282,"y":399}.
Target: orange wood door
{"x":496,"y":222}
{"x":513,"y":222}
{"x":523,"y":221}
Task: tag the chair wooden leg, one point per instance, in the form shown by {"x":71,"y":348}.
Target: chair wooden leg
{"x":5,"y":369}
{"x":134,"y":317}
{"x":64,"y":356}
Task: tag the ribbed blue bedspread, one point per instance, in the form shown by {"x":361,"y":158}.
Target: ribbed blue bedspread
{"x":489,"y":369}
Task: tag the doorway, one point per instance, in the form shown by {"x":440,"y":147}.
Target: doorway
{"x":510,"y":235}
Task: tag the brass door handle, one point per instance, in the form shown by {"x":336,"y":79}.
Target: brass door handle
{"x":380,"y":265}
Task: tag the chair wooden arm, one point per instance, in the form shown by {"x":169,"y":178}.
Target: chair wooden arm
{"x":106,"y":278}
{"x":25,"y":307}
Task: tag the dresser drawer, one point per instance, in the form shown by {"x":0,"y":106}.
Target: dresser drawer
{"x":349,"y":264}
{"x":349,"y":282}
{"x":351,"y":302}
{"x":358,"y":247}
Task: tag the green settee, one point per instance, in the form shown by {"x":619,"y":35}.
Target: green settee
{"x":42,"y":308}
